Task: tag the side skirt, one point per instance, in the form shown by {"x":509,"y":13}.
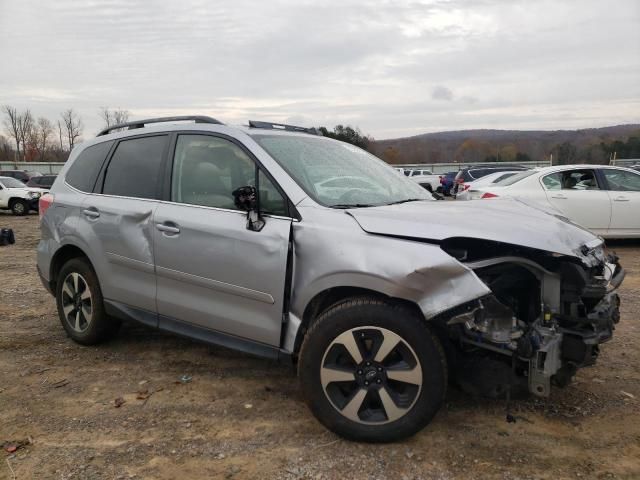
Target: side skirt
{"x":196,"y":332}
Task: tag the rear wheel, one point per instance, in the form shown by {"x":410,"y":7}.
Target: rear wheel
{"x":372,"y":371}
{"x":80,"y":306}
{"x":19,"y":207}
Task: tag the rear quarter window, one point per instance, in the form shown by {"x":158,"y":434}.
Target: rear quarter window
{"x":84,"y":171}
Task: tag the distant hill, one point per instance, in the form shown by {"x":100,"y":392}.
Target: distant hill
{"x":503,"y":145}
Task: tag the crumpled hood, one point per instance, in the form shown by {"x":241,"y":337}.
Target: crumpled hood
{"x":507,"y":220}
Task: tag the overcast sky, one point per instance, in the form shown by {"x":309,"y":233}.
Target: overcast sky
{"x":391,"y":68}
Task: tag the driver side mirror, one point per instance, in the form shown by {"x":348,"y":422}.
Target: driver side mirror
{"x":246,"y":199}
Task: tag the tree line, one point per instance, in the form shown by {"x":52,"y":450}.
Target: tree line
{"x":39,"y":139}
{"x":596,"y":146}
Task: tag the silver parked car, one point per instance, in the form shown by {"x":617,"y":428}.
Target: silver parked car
{"x":379,"y":295}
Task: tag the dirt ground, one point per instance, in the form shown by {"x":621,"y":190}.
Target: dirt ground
{"x":241,"y":417}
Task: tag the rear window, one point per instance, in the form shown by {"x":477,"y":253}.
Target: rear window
{"x":134,"y":168}
{"x":84,"y":171}
{"x":515,"y":178}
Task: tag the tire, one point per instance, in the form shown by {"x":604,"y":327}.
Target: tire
{"x":19,"y":207}
{"x":80,"y":304}
{"x":333,"y":382}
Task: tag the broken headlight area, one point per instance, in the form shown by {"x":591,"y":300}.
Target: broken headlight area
{"x":546,"y":318}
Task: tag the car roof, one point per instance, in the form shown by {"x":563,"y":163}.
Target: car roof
{"x":585,"y":166}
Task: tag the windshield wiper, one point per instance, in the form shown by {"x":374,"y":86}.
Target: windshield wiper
{"x":353,"y":205}
{"x":406,"y":201}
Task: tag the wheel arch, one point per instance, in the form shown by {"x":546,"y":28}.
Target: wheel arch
{"x":12,"y":200}
{"x":62,"y":256}
{"x":330,"y":296}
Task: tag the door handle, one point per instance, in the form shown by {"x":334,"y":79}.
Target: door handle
{"x":163,"y":227}
{"x":560,"y":196}
{"x":91,"y":212}
{"x":621,"y":199}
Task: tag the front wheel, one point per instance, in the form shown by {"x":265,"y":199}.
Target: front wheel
{"x":19,"y":207}
{"x":372,"y":371}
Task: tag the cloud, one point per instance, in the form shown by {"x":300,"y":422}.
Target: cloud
{"x":390,"y":68}
{"x":442,"y":93}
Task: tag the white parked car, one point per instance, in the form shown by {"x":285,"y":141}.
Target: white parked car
{"x":604,"y":199}
{"x":471,"y":191}
{"x":418,"y":172}
{"x":17,"y":197}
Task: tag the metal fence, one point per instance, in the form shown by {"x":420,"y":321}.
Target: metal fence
{"x":42,"y":167}
{"x":627,"y":162}
{"x":437,"y":168}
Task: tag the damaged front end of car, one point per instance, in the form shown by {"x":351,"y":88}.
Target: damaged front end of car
{"x":545,"y":318}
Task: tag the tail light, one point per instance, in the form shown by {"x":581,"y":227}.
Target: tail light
{"x":488,"y":195}
{"x":465,"y":187}
{"x":44,"y":203}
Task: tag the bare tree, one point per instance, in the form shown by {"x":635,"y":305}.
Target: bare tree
{"x":11,"y":123}
{"x":106,"y":116}
{"x":25,"y":129}
{"x":41,"y":137}
{"x":7,"y":153}
{"x":113,"y":117}
{"x":120,"y":116}
{"x":60,"y":136}
{"x":73,"y":126}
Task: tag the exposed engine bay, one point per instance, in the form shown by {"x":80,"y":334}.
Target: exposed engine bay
{"x":546,"y":316}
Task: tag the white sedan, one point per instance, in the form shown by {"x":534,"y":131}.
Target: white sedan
{"x":470,"y":191}
{"x":604,"y":199}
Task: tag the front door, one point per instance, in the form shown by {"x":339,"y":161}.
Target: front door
{"x":213,"y":272}
{"x":578,"y":195}
{"x":624,"y":189}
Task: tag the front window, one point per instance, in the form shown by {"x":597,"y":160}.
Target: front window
{"x":207,"y":170}
{"x":338,"y":174}
{"x":621,"y":180}
{"x":12,"y":183}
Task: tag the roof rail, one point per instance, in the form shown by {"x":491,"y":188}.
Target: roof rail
{"x":283,"y":126}
{"x":141,"y":123}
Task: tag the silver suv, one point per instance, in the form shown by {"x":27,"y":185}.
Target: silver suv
{"x":272,"y":240}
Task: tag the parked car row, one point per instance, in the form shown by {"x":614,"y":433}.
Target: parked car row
{"x":21,"y":189}
{"x":18,"y":197}
{"x":604,"y":199}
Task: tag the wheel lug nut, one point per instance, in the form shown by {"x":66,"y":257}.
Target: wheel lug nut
{"x":379,"y":369}
{"x":359,"y":372}
{"x":366,"y":383}
{"x":378,"y":381}
{"x":368,"y":364}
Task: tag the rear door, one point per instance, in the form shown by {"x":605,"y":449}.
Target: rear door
{"x":580,"y":196}
{"x":213,"y":273}
{"x":117,"y":221}
{"x":624,"y":190}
